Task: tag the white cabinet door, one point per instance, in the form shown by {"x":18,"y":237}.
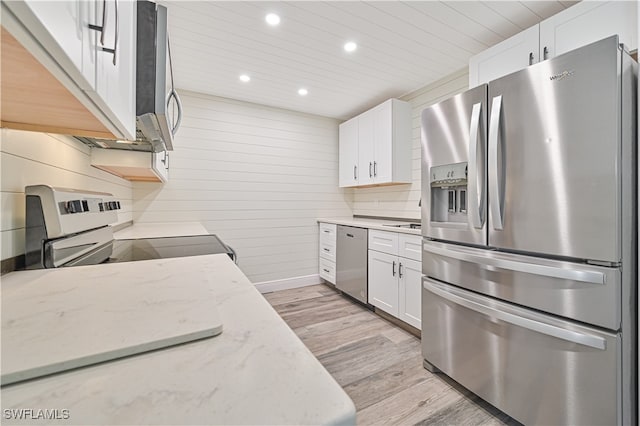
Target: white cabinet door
{"x":410,"y":293}
{"x":366,"y":150}
{"x":383,"y":142}
{"x":588,"y":22}
{"x":383,"y":282}
{"x":115,"y":79}
{"x":348,"y":153}
{"x":160,"y":165}
{"x":513,"y":54}
{"x":62,"y":28}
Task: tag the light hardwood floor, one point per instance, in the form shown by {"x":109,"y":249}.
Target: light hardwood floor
{"x":377,"y":363}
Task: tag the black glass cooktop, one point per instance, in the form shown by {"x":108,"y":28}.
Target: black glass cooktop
{"x":167,"y":247}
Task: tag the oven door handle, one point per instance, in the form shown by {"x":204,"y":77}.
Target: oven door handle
{"x":589,"y":340}
{"x":231,"y":251}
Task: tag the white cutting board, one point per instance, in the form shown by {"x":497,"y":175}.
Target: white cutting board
{"x":56,"y":320}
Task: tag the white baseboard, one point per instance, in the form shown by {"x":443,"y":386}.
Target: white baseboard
{"x":288,"y":283}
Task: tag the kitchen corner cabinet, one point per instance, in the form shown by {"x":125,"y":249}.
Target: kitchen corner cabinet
{"x":327,"y":239}
{"x":395,"y":272}
{"x":576,"y":26}
{"x":61,"y":75}
{"x":375,"y":146}
{"x":132,"y":165}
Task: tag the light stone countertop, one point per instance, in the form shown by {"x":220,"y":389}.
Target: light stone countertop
{"x":256,"y":372}
{"x":156,"y":230}
{"x":378,"y":224}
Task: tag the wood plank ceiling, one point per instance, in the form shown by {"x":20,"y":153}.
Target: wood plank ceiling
{"x":402,"y":46}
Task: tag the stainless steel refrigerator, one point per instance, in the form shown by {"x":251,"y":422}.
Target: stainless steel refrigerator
{"x":529,"y":248}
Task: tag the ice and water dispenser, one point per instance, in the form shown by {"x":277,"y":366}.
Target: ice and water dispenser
{"x":449,"y":193}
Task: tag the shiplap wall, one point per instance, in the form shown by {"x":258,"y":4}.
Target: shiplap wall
{"x":30,"y":158}
{"x":402,"y":200}
{"x":257,"y":176}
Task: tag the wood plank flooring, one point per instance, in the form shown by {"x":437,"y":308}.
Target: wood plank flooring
{"x":377,"y":363}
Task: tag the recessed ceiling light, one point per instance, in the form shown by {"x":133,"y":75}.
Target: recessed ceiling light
{"x":350,"y":46}
{"x":245,"y":78}
{"x":272,"y":19}
{"x":302,"y":92}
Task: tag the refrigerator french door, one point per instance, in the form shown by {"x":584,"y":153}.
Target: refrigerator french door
{"x":545,"y":304}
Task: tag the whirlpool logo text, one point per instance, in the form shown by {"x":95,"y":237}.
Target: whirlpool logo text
{"x":562,"y":75}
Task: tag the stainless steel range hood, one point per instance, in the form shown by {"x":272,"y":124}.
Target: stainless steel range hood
{"x":155,"y":93}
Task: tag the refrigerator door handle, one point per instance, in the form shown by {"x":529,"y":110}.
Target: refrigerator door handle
{"x":584,"y":339}
{"x":496,"y":182}
{"x":476,"y":186}
{"x":590,"y":277}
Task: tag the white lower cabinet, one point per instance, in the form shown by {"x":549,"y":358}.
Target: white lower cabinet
{"x":409,"y":291}
{"x":383,"y":282}
{"x":327,"y":251}
{"x":394,"y":280}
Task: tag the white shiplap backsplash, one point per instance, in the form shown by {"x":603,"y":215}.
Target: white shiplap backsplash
{"x":257,"y":176}
{"x":402,"y":200}
{"x":30,"y":158}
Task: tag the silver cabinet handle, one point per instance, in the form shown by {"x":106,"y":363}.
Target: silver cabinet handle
{"x":101,"y":28}
{"x":400,"y":270}
{"x":590,"y":340}
{"x":355,"y":174}
{"x":545,"y":53}
{"x":104,"y":21}
{"x":326,"y":249}
{"x":370,"y":164}
{"x":375,"y":168}
{"x":327,"y":231}
{"x":326,"y":270}
{"x":393,"y":270}
{"x":496,"y":182}
{"x":530,"y":58}
{"x":476,"y":181}
{"x":350,"y":235}
{"x":579,"y":275}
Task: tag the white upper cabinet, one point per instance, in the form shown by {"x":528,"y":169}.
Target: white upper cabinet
{"x":348,"y":153}
{"x":588,"y":22}
{"x":77,"y":47}
{"x":383,"y":146}
{"x":115,"y":71}
{"x":579,"y":25}
{"x":511,"y":55}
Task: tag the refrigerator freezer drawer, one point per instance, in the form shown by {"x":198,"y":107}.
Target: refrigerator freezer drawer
{"x":586,"y":293}
{"x":536,"y":368}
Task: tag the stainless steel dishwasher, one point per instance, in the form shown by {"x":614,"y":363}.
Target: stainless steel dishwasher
{"x":351,"y":262}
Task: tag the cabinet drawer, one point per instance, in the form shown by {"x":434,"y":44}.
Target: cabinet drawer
{"x":386,"y":242}
{"x":327,"y":270}
{"x":328,"y":232}
{"x":328,"y":251}
{"x":410,"y":246}
{"x":463,"y":334}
